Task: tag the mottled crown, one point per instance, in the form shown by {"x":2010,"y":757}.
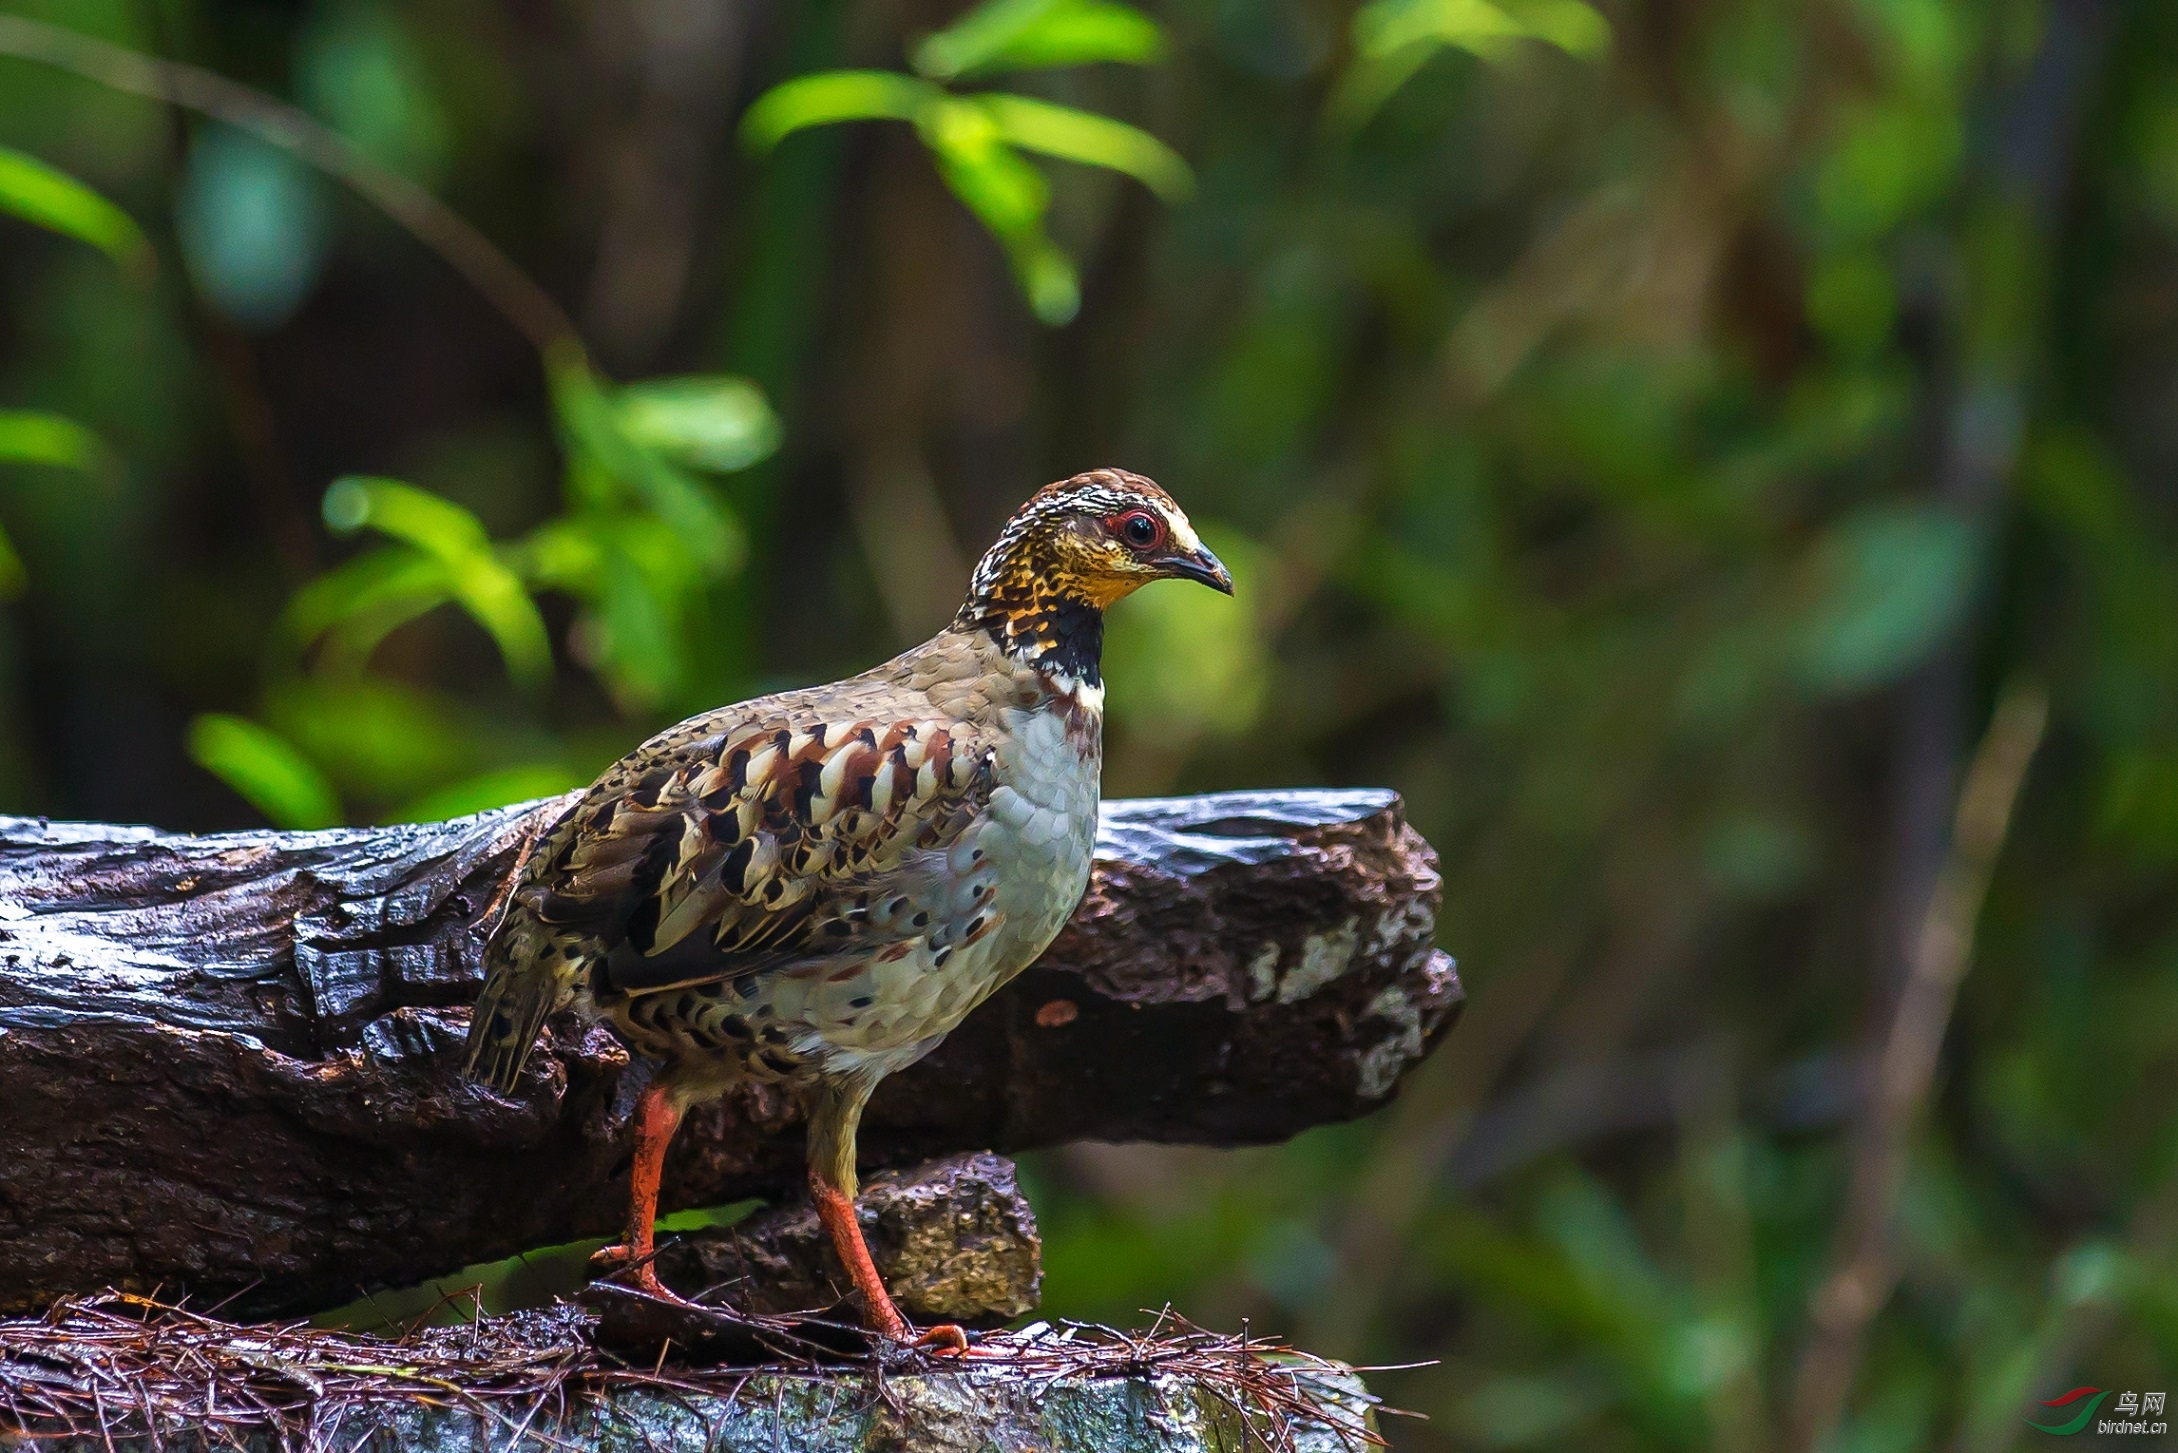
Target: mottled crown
{"x":1039,"y":542}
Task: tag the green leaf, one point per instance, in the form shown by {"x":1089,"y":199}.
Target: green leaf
{"x":1008,"y":195}
{"x":1037,"y":34}
{"x":1050,"y":279}
{"x":1574,"y":27}
{"x":358,"y":604}
{"x":561,"y":554}
{"x":477,"y":579}
{"x":712,"y":422}
{"x":50,"y":198}
{"x":1385,"y":27}
{"x":636,"y":637}
{"x":27,"y":437}
{"x":606,"y":456}
{"x":1002,"y":189}
{"x":379,"y":739}
{"x":833,"y":96}
{"x":438,"y":527}
{"x":1488,"y":29}
{"x":1083,"y":136}
{"x":1889,"y":583}
{"x":265,"y":771}
{"x":14,"y":579}
{"x":708,"y":1218}
{"x":1395,"y":38}
{"x":488,"y":790}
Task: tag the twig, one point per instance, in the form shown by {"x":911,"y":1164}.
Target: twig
{"x":430,"y":221}
{"x":115,"y":1366}
{"x":1864,"y":1266}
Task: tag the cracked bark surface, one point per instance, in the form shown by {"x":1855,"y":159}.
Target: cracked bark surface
{"x":229,"y":1064}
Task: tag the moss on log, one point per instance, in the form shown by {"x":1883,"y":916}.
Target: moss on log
{"x":993,"y":1412}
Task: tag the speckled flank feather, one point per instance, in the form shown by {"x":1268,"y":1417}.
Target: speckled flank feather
{"x":753,"y":846}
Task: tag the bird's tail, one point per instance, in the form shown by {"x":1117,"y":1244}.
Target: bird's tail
{"x":519,"y":992}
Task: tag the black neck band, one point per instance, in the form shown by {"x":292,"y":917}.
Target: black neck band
{"x":1054,"y":634}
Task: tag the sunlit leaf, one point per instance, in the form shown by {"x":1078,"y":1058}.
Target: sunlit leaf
{"x":996,"y":183}
{"x":561,"y":554}
{"x":1571,"y":25}
{"x":1386,"y":26}
{"x":1050,"y":278}
{"x":359,"y":603}
{"x":1009,"y":196}
{"x":265,"y":771}
{"x":52,"y":199}
{"x":379,"y":739}
{"x":973,"y":139}
{"x":715,"y":423}
{"x":607,"y":454}
{"x":29,"y":437}
{"x":638,"y":579}
{"x":708,"y":1218}
{"x":483,"y":585}
{"x":1889,"y":584}
{"x":1083,"y":136}
{"x":488,"y":790}
{"x":14,"y":579}
{"x":1008,"y":35}
{"x":1890,"y":159}
{"x":1486,"y":27}
{"x":1395,"y":38}
{"x":832,"y":96}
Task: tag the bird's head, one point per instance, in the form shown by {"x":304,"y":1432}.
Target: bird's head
{"x":1076,"y":548}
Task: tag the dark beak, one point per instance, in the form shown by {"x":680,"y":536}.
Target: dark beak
{"x":1200,"y":565}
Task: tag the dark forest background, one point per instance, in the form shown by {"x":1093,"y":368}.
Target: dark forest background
{"x":1682,"y":445}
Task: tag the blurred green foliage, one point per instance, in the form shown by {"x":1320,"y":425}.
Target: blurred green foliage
{"x":1645,"y":432}
{"x":977,"y":140}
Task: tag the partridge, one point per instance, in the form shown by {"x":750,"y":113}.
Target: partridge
{"x":811,"y":889}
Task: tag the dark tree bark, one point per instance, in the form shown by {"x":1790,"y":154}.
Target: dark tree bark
{"x":229,"y":1064}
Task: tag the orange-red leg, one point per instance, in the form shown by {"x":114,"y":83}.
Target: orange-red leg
{"x":656,"y":1118}
{"x":836,"y":1209}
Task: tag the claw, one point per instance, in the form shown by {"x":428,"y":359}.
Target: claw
{"x":945,"y":1340}
{"x":616,"y":1261}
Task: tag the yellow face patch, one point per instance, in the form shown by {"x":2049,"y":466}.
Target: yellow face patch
{"x":1097,"y":569}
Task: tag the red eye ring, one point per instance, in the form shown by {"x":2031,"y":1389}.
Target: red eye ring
{"x":1140,"y":529}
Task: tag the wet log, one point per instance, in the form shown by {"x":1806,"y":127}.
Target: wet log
{"x":229,"y":1063}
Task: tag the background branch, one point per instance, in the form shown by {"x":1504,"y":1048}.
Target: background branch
{"x":1865,"y":1265}
{"x":527,"y":306}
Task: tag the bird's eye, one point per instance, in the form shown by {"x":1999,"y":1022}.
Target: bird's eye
{"x":1140,"y":529}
